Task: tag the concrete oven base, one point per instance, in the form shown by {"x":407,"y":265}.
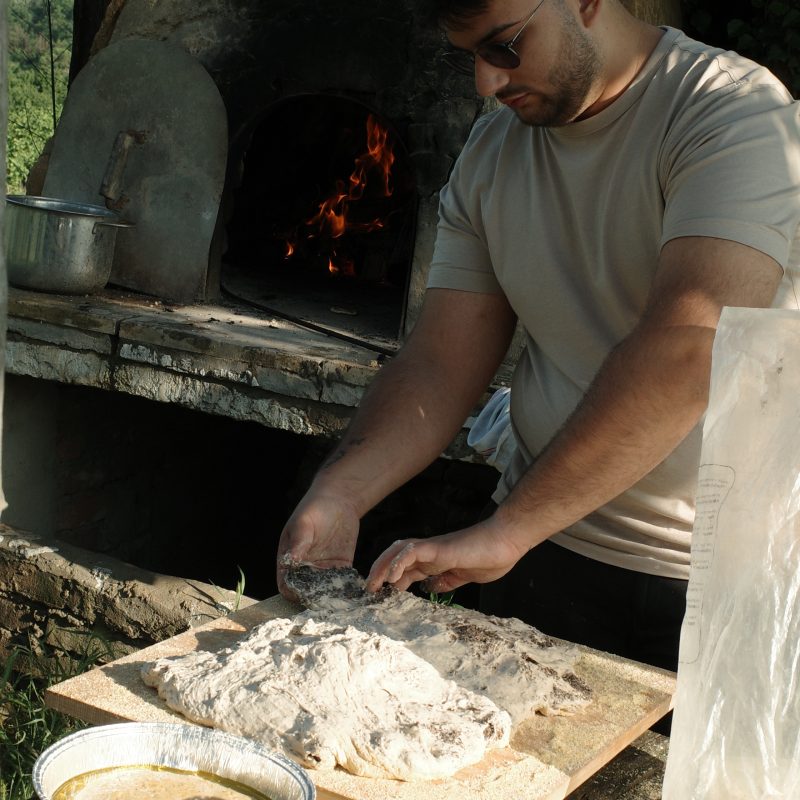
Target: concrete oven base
{"x":216,"y":358}
{"x":211,"y":358}
{"x":104,"y":448}
{"x":64,"y":601}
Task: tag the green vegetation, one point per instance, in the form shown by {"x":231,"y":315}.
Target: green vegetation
{"x":35,"y":80}
{"x":768,"y":31}
{"x":445,"y":599}
{"x":27,"y":727}
{"x":227,"y":606}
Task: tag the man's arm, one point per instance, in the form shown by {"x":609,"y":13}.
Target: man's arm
{"x":649,"y":393}
{"x":410,"y":413}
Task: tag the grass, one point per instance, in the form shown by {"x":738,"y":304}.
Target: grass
{"x":228,"y":606}
{"x":27,"y":727}
{"x":445,"y":599}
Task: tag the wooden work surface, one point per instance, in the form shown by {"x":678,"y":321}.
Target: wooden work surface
{"x":547,"y":759}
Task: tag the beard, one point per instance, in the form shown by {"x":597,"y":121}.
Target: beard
{"x":572,"y":77}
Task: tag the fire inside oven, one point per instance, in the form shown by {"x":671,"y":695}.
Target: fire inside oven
{"x":322,"y":228}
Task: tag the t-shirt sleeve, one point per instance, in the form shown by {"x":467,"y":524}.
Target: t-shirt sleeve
{"x":461,"y":257}
{"x":731,"y":170}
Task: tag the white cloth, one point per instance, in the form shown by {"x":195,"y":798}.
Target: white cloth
{"x":491,"y":434}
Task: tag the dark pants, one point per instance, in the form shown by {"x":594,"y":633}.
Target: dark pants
{"x":572,"y":597}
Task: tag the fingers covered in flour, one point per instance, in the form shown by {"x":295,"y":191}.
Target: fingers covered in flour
{"x":407,"y":561}
{"x":479,"y":554}
{"x":322,"y":531}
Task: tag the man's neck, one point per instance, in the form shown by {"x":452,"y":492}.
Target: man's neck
{"x":626,"y":49}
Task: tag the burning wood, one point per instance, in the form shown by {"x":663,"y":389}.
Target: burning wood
{"x":370,"y":179}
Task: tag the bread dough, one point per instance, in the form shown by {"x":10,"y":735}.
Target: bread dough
{"x":383,"y":685}
{"x":329,"y":694}
{"x":521,"y":669}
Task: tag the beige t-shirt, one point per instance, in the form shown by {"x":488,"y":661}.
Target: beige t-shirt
{"x":569,"y":222}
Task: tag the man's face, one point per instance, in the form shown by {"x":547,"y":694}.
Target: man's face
{"x":559,"y":71}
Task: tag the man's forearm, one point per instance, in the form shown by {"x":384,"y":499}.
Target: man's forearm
{"x":406,"y":419}
{"x":648,"y":394}
{"x":651,"y":391}
{"x":417,"y":403}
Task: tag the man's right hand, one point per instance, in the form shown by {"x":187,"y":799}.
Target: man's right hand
{"x":411,"y":410}
{"x":322,"y":531}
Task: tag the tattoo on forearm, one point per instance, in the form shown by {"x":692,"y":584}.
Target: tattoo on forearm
{"x":333,"y":458}
{"x":340,"y":452}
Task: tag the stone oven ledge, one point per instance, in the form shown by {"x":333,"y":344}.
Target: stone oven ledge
{"x":221,"y":358}
{"x":58,"y":595}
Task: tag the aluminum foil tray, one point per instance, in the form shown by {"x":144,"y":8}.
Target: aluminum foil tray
{"x":177,"y":745}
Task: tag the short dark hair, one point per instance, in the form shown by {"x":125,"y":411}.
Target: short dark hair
{"x":455,"y":14}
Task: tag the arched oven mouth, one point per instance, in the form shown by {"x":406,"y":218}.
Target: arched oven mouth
{"x":320,"y":226}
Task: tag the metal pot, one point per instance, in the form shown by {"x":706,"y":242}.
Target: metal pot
{"x":59,"y":246}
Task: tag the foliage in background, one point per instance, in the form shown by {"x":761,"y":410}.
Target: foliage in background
{"x":30,"y":88}
{"x":768,"y":31}
{"x":27,"y":727}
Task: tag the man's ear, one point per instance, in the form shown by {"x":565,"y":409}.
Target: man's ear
{"x":589,"y":10}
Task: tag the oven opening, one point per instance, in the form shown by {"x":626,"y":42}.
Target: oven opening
{"x":323,"y":218}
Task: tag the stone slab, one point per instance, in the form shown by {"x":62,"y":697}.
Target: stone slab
{"x":223,"y":399}
{"x":213,"y":358}
{"x":54,"y":363}
{"x":75,"y":311}
{"x":61,"y":593}
{"x":66,"y":337}
{"x":219,"y":358}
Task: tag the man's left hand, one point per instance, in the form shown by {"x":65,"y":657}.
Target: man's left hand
{"x":478,"y":554}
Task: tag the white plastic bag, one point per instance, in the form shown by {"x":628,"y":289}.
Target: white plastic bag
{"x":736,"y":727}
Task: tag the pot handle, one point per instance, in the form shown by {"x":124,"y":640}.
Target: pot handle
{"x":113,"y":223}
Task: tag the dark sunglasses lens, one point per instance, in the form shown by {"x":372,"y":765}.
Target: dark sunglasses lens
{"x":460,"y":61}
{"x":499,"y":56}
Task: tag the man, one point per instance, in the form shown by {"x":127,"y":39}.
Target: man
{"x":634,"y":184}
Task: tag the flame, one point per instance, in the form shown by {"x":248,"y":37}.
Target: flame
{"x":331,"y":218}
{"x":346,"y":266}
{"x":332,"y":215}
{"x":380,"y":154}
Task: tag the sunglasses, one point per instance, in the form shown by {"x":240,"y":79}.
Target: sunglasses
{"x":499,"y":54}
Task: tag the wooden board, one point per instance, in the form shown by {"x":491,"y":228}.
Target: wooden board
{"x":547,"y":759}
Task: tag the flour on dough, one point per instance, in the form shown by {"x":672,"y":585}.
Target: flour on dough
{"x":521,"y":669}
{"x":329,"y":694}
{"x":382,"y":685}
